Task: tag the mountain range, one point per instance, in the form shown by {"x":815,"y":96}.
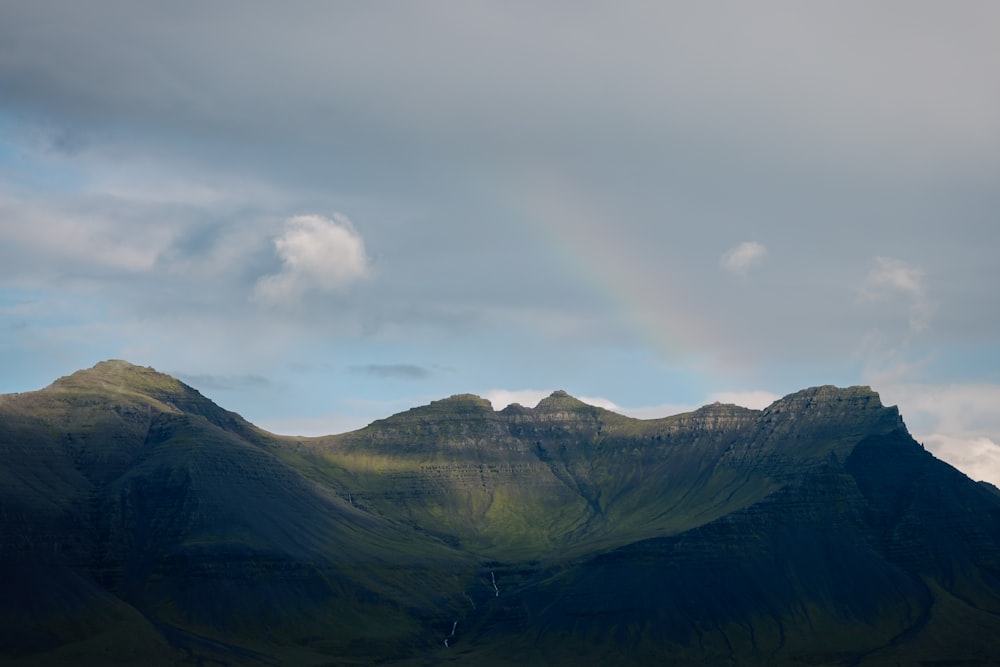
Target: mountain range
{"x":141,"y":523}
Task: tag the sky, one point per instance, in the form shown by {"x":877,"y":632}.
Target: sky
{"x":323,"y":213}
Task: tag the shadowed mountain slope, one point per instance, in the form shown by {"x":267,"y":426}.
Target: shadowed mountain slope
{"x":140,"y":522}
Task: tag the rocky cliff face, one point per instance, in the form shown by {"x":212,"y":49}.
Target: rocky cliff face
{"x":141,"y":522}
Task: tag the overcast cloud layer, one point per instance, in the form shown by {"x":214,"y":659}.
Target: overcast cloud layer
{"x":323,"y":213}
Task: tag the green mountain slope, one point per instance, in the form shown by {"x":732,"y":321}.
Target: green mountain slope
{"x":123,"y":481}
{"x":141,"y":523}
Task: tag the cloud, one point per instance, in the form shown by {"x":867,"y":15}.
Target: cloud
{"x":392,"y":371}
{"x":42,"y":240}
{"x":957,"y":422}
{"x":890,"y":279}
{"x":743,"y":257}
{"x":601,"y":403}
{"x":317,"y":254}
{"x":893,"y":276}
{"x":755,"y":400}
{"x":343,"y":62}
{"x":976,"y":456}
{"x":309,"y":427}
{"x":501,"y":398}
{"x":951,"y":407}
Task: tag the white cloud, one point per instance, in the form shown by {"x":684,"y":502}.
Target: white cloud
{"x":601,"y":403}
{"x":743,"y":257}
{"x":959,"y":423}
{"x":954,"y":407}
{"x":42,"y":240}
{"x":755,"y":400}
{"x":976,"y":456}
{"x":317,"y":254}
{"x":501,"y":398}
{"x":657,"y":411}
{"x":311,"y":427}
{"x":893,"y":278}
{"x":893,"y":275}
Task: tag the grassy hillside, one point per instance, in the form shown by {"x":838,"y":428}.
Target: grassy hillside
{"x":141,"y":523}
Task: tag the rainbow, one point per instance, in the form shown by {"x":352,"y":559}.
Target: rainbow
{"x":583,"y":241}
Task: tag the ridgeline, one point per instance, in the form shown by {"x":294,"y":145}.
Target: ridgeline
{"x":142,"y":523}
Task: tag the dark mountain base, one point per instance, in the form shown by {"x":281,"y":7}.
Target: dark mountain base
{"x":142,"y":524}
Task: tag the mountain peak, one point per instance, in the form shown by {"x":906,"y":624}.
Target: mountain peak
{"x":124,"y":377}
{"x":116,"y":377}
{"x":560,"y":401}
{"x":464,"y":402}
{"x":818,"y":413}
{"x":456,"y":407}
{"x":826,"y":397}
